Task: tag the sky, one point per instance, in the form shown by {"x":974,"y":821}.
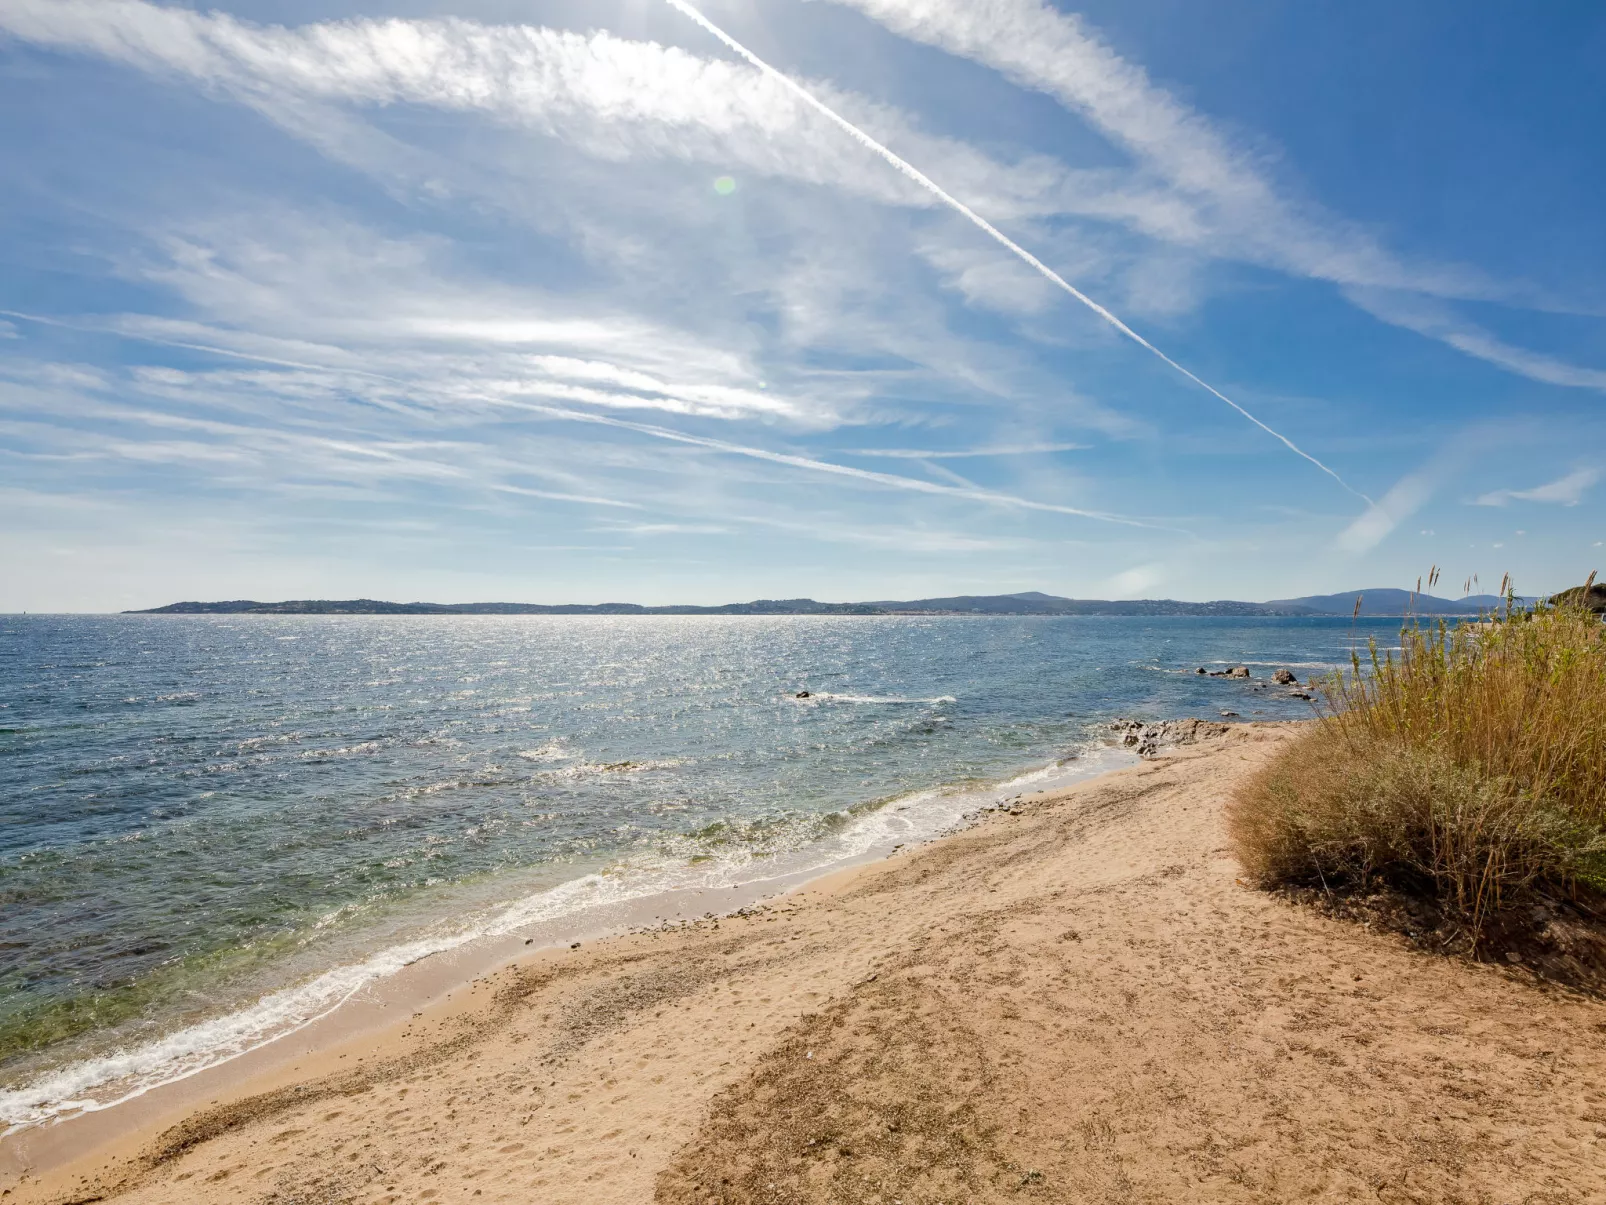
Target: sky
{"x":625,"y":300}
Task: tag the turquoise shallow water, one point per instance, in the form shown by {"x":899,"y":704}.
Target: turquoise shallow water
{"x":198,"y":811}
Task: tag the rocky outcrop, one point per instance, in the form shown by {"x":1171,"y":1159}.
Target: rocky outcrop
{"x":1149,"y":740}
{"x":1285,"y":677}
{"x":1589,"y":596}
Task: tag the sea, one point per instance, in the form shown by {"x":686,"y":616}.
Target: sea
{"x":216,"y":828}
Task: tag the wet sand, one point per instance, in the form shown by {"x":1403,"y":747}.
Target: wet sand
{"x":1075,"y":1001}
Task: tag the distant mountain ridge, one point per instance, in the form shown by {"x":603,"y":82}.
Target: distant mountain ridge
{"x":1386,"y":601}
{"x":1379,"y":602}
{"x":369,"y":606}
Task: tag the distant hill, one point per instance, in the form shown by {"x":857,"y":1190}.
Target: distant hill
{"x":1030,"y":603}
{"x":1034,"y":603}
{"x":1390,"y":602}
{"x":1375,"y":603}
{"x":368,"y":606}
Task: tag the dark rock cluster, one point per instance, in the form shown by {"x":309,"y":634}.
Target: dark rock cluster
{"x":1149,"y":739}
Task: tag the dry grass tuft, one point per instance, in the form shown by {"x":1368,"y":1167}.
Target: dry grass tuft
{"x":1469,"y":767}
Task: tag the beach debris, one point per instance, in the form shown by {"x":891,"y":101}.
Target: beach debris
{"x":1285,"y":677}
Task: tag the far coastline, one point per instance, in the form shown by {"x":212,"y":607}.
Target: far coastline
{"x":1371,"y":603}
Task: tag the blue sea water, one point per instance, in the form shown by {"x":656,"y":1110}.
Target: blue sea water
{"x":198,"y":812}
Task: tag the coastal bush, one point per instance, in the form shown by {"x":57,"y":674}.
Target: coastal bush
{"x":1469,"y":765}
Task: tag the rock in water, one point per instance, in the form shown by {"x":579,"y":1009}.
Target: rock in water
{"x":1285,"y":677}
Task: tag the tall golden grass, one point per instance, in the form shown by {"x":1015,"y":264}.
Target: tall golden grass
{"x":1470,"y":765}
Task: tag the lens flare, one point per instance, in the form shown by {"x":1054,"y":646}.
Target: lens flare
{"x":725,"y":185}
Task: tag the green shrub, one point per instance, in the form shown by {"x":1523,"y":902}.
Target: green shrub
{"x":1469,"y":765}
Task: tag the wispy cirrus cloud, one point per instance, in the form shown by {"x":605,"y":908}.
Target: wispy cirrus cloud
{"x":1564,"y":491}
{"x":617,"y":99}
{"x":1407,"y":496}
{"x":475,"y":277}
{"x":1431,"y":317}
{"x":1230,"y":201}
{"x":1235,"y":209}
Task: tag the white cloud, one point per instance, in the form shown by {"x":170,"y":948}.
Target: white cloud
{"x":615,"y":98}
{"x":1378,"y":521}
{"x":988,"y":280}
{"x":1138,"y":580}
{"x":1565,"y":491}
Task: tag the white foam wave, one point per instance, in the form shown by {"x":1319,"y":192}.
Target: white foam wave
{"x":823,"y":696}
{"x":1284,"y":664}
{"x":551,"y":751}
{"x":343,"y":751}
{"x":591,"y":769}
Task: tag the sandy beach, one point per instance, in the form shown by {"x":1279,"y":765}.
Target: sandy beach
{"x":1075,"y":1000}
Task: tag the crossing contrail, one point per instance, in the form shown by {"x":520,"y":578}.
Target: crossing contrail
{"x":972,"y":492}
{"x":908,"y":169}
{"x":894,"y":480}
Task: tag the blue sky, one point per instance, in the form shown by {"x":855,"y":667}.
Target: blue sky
{"x":567,"y":301}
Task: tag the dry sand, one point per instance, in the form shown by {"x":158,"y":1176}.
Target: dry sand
{"x":1075,"y":1003}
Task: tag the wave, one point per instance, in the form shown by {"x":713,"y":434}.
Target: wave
{"x":1192,"y":666}
{"x":823,"y":696}
{"x":551,"y":751}
{"x":591,"y":769}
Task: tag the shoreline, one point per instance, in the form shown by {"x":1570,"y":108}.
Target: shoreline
{"x":428,"y":981}
{"x":1075,"y":999}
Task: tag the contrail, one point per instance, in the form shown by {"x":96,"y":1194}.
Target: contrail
{"x":974,"y":493}
{"x":908,"y":169}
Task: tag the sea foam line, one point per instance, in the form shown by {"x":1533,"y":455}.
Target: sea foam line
{"x":125,"y":1075}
